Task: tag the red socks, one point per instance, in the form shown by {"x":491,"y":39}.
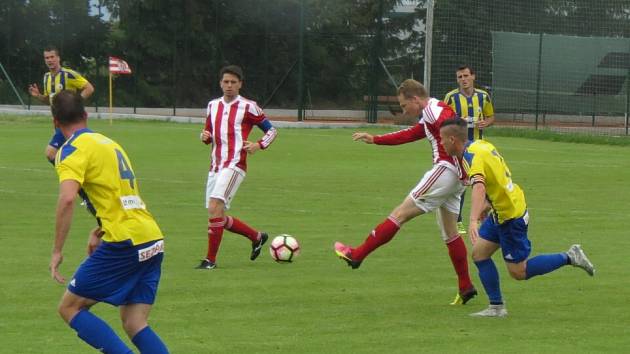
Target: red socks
{"x":381,"y":234}
{"x":235,"y":225}
{"x":457,"y":252}
{"x":215,"y":234}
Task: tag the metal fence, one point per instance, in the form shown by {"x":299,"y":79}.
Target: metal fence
{"x":561,"y":65}
{"x":310,"y":55}
{"x":552,"y":63}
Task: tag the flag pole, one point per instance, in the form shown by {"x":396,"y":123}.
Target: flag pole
{"x":110,"y":97}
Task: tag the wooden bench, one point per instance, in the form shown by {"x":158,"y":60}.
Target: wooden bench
{"x":386,"y":103}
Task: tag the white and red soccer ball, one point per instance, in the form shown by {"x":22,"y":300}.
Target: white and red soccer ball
{"x":284,"y":248}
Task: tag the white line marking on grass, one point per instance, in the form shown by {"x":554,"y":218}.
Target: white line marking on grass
{"x":12,"y":191}
{"x":25,"y":169}
{"x":565,"y":164}
{"x":174,"y":181}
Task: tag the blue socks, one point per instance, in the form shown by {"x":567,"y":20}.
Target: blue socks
{"x":97,"y":333}
{"x":148,"y":342}
{"x":545,"y":263}
{"x":490,"y":279}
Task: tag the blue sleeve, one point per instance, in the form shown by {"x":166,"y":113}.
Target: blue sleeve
{"x":265,"y":125}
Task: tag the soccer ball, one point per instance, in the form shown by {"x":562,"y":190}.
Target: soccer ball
{"x":284,"y":248}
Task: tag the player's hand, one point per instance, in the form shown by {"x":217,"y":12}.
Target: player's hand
{"x":482,"y":123}
{"x":365,"y":137}
{"x":33,"y":90}
{"x":473,"y":231}
{"x":250,"y":147}
{"x":94,"y":240}
{"x":205,"y":136}
{"x":55,"y":261}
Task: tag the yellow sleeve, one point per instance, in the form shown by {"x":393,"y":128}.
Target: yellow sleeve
{"x":75,"y":80}
{"x":477,"y":170}
{"x":71,"y":164}
{"x":448,"y":99}
{"x":488,"y":108}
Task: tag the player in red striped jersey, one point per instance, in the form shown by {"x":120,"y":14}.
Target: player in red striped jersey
{"x":440,"y":188}
{"x":229,"y":121}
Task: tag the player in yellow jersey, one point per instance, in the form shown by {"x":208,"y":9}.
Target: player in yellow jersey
{"x":476,"y":107}
{"x":58,"y":78}
{"x":125,"y":253}
{"x":506,"y":225}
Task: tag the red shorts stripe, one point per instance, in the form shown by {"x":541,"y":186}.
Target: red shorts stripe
{"x":228,"y":190}
{"x":430,"y":181}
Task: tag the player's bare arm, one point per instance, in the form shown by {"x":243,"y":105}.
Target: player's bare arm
{"x":477,"y":208}
{"x":65,"y":206}
{"x":87,"y":91}
{"x":362,"y":136}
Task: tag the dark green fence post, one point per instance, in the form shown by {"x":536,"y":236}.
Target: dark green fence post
{"x":373,"y":74}
{"x":540,"y":42}
{"x":301,"y":65}
{"x":627,"y":100}
{"x":135,"y":87}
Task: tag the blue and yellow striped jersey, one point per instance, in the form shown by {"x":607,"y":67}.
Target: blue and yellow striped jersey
{"x":65,"y":79}
{"x":484,"y":164}
{"x":104,"y":171}
{"x":473,"y":108}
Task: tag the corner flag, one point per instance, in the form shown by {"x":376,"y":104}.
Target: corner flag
{"x":118,"y":66}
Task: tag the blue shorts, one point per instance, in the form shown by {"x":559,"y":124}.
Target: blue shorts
{"x":119,"y":273}
{"x":511,"y":235}
{"x":58,"y":139}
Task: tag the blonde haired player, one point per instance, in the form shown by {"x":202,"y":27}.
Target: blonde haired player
{"x":439,"y":190}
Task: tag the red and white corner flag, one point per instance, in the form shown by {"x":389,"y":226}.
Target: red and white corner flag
{"x":118,"y":66}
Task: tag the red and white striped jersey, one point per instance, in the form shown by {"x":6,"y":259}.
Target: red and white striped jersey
{"x":428,"y":127}
{"x":229,"y":125}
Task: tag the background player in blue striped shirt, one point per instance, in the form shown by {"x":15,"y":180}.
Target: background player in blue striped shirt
{"x":476,"y":107}
{"x":57,"y":79}
{"x":125,"y":253}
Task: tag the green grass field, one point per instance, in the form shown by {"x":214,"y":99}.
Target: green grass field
{"x":320,"y":186}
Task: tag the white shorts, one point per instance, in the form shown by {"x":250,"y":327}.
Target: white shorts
{"x":439,"y":187}
{"x":223,"y":185}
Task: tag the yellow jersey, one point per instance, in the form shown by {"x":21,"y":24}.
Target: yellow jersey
{"x":104,"y":171}
{"x":65,"y":79}
{"x":473,"y":109}
{"x":484,"y":164}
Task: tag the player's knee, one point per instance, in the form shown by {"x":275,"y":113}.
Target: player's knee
{"x":216,"y":208}
{"x":477,"y":255}
{"x":397,"y":216}
{"x":404,"y":213}
{"x":518,"y":274}
{"x":67,"y":312}
{"x":133,"y":325}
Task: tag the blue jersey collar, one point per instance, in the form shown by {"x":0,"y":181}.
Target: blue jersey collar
{"x":81,"y":131}
{"x":77,"y":133}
